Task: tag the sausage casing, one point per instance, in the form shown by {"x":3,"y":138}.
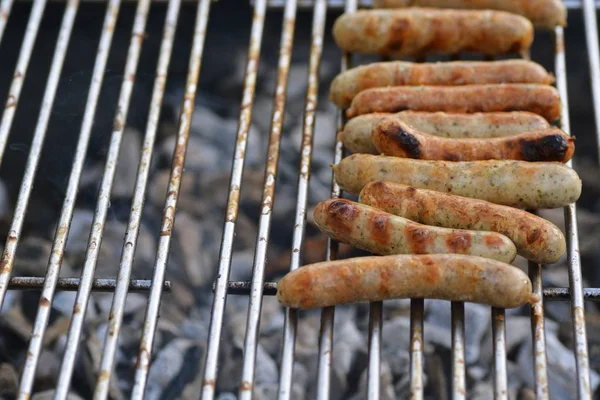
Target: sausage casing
{"x":451,"y":277}
{"x":512,"y":183}
{"x":357,"y":131}
{"x":419,"y":31}
{"x":545,"y":14}
{"x":539,"y":99}
{"x":536,"y":239}
{"x":379,"y":232}
{"x":394,"y":137}
{"x":402,"y":73}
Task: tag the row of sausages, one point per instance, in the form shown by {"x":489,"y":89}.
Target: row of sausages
{"x":447,"y":157}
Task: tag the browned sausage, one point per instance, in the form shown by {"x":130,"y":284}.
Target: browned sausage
{"x":539,"y":99}
{"x":511,"y":183}
{"x":535,"y":238}
{"x":419,"y":31}
{"x":402,"y":73}
{"x":379,"y":232}
{"x":437,"y":276}
{"x":546,"y":14}
{"x":357,"y":131}
{"x":394,"y":137}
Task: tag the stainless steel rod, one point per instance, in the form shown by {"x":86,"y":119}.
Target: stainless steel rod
{"x":73,"y":284}
{"x":538,"y":333}
{"x":168,"y":217}
{"x":499,"y":348}
{"x":268,"y":200}
{"x":374,"y":367}
{"x":218,"y":306}
{"x":459,"y":385}
{"x":591,"y":35}
{"x":130,"y":242}
{"x":574,"y":261}
{"x":5,"y":8}
{"x":43,"y":311}
{"x":416,"y":349}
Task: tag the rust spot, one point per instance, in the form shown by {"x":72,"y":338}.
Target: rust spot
{"x":245,"y":386}
{"x":44,"y":302}
{"x":76,"y":309}
{"x":167,"y":223}
{"x":380,"y":228}
{"x":500,"y":317}
{"x":341,"y":215}
{"x":118,"y":125}
{"x":208,"y":382}
{"x":492,"y":240}
{"x":141,"y":354}
{"x":418,"y":238}
{"x":458,"y":242}
{"x":18,"y":75}
{"x":103,"y":376}
{"x":11,"y":102}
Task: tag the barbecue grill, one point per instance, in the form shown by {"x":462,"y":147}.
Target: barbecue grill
{"x":257,"y":287}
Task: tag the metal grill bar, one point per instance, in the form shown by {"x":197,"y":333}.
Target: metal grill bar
{"x":325,"y":353}
{"x":87,"y":273}
{"x":591,"y":34}
{"x":374,"y":368}
{"x":233,"y":198}
{"x":73,"y":284}
{"x":499,"y":343}
{"x":168,"y":218}
{"x":43,"y":312}
{"x":538,"y":333}
{"x":574,"y":261}
{"x":459,"y":385}
{"x":416,"y":348}
{"x":124,"y":275}
{"x":268,"y":199}
{"x":14,"y":94}
{"x":5,"y":8}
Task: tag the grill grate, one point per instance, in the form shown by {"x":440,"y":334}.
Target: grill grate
{"x":257,"y":287}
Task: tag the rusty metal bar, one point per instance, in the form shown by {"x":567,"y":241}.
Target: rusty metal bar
{"x":325,"y":353}
{"x":14,"y":94}
{"x":62,"y":231}
{"x":459,"y":385}
{"x":5,"y":7}
{"x":591,"y":35}
{"x":218,"y":306}
{"x":416,"y":349}
{"x":574,"y":261}
{"x":73,"y":284}
{"x":538,"y":333}
{"x":268,"y":200}
{"x":130,"y":241}
{"x":499,"y":345}
{"x":168,"y":218}
{"x":35,"y":341}
{"x":374,"y":368}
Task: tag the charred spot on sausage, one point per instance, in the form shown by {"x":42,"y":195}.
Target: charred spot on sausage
{"x":547,"y":148}
{"x":403,"y":138}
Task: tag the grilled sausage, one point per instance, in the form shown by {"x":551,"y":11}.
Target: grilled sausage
{"x":394,"y":137}
{"x":545,"y":14}
{"x":536,"y":239}
{"x":512,"y":183}
{"x":379,"y":232}
{"x":420,"y":31}
{"x":539,"y":99}
{"x":438,"y":276}
{"x":357,"y":132}
{"x":401,"y":73}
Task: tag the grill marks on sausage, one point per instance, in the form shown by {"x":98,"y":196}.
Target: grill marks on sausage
{"x":380,"y":229}
{"x":549,"y":148}
{"x":458,"y":242}
{"x":341,"y":216}
{"x":419,"y":239}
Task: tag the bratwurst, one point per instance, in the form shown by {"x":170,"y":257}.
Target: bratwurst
{"x":357,"y":131}
{"x":394,"y":137}
{"x":545,"y":14}
{"x":543,"y":100}
{"x":420,"y":31}
{"x":379,"y":232}
{"x":402,"y":73}
{"x":512,"y":183}
{"x":437,"y":276}
{"x":536,"y":239}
